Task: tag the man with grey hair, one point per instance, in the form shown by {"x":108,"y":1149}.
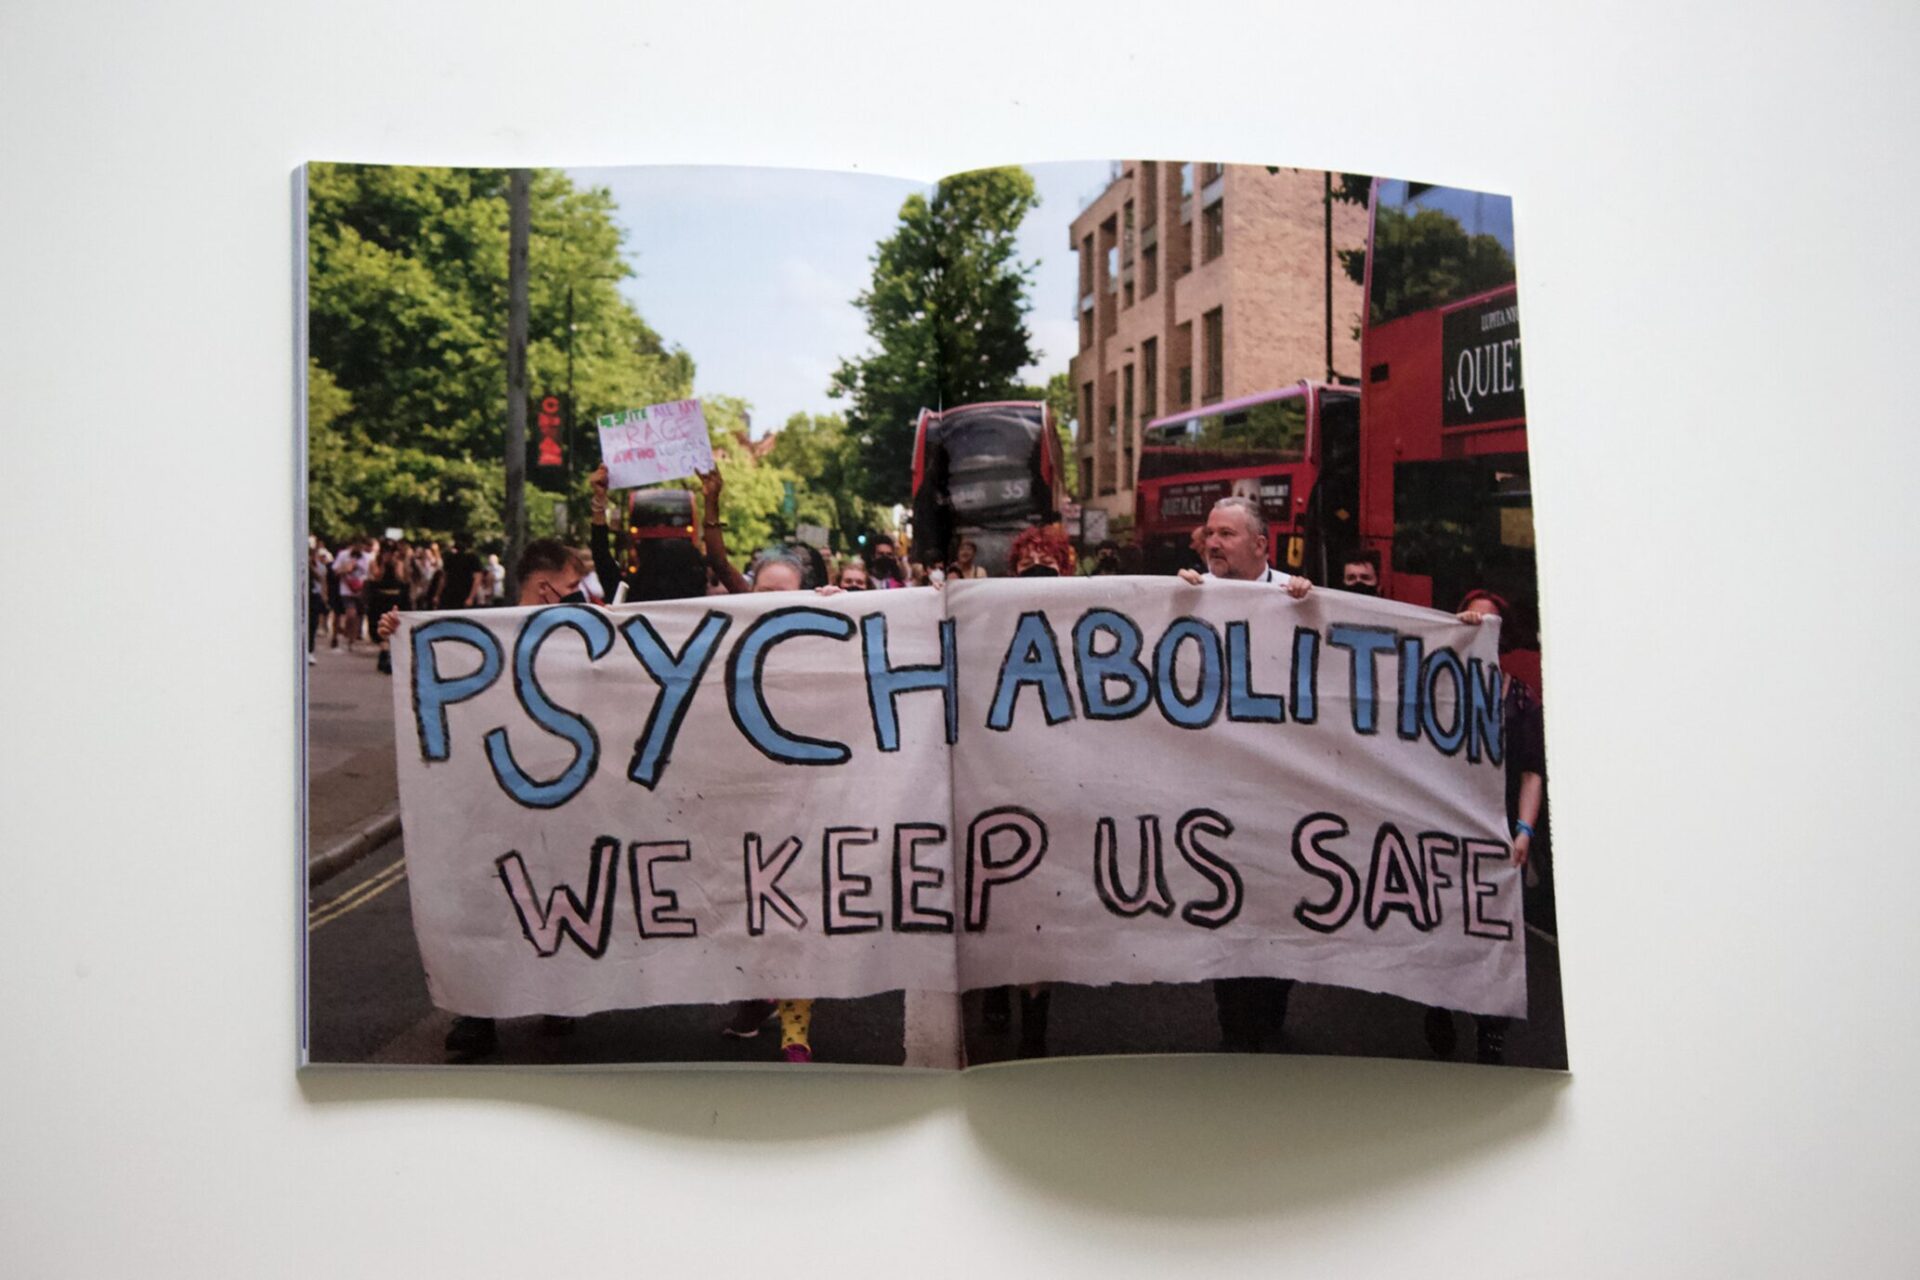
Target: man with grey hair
{"x":1235,"y":547}
{"x":1252,"y":1011}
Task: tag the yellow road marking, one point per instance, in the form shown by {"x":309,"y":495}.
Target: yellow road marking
{"x":358,"y":896}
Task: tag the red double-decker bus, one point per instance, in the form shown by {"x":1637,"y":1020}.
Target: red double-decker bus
{"x":1294,"y":450}
{"x":1444,"y":491}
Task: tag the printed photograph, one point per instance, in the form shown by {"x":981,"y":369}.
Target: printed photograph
{"x":797,"y":619}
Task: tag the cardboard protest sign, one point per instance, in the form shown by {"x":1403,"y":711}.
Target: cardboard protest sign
{"x":1108,"y":780}
{"x":660,"y":442}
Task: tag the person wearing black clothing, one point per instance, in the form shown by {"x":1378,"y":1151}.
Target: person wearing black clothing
{"x":386,"y":591}
{"x":666,"y":568}
{"x":459,"y":576}
{"x":1523,"y":732}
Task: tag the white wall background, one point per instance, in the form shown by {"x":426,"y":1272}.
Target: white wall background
{"x":1715,"y":209}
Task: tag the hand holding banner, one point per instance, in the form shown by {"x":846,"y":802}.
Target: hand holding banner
{"x":1112,"y":780}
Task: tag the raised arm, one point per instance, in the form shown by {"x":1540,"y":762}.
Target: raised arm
{"x":712,"y":530}
{"x":598,"y":537}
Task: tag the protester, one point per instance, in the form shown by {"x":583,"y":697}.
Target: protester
{"x":883,"y":565}
{"x":319,"y":575}
{"x":1524,"y":743}
{"x":779,"y":569}
{"x":1106,"y":559}
{"x":460,"y":577}
{"x":1234,"y":542}
{"x":336,"y":601}
{"x":853,"y":577}
{"x":549,"y":572}
{"x":1039,"y":551}
{"x":354,"y":564}
{"x":1360,"y":572}
{"x":964,"y":561}
{"x":1252,"y":1011}
{"x":496,"y":574}
{"x":423,"y":576}
{"x":662,"y":568}
{"x":1196,"y":556}
{"x":385,"y":592}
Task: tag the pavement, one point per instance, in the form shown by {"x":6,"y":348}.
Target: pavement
{"x":353,"y":801}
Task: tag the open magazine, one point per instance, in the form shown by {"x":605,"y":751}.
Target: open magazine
{"x":1205,"y":715}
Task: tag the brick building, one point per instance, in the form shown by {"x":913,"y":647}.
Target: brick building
{"x":1199,"y":283}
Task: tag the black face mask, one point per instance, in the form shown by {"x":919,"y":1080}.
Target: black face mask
{"x":1038,"y":571}
{"x":885,"y":567}
{"x":1364,"y":589}
{"x":576,"y":596}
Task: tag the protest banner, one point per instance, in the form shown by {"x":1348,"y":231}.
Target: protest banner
{"x":1092,"y":781}
{"x":660,"y":442}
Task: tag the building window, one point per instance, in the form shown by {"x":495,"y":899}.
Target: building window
{"x":1149,"y":379}
{"x":1186,"y":385}
{"x":1213,"y":337}
{"x":1186,"y":180}
{"x":1149,"y":271}
{"x":1213,"y":231}
{"x":1113,"y":267}
{"x":1106,"y":478}
{"x":1126,"y":416}
{"x":1211,"y":171}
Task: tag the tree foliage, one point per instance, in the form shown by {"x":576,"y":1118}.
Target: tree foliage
{"x":823,"y":456}
{"x":946,"y":312}
{"x":407,"y":296}
{"x":1423,"y":258}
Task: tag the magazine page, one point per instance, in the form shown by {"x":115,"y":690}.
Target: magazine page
{"x":730,"y":799}
{"x":1307,"y":380}
{"x":1170,"y":784}
{"x":456,"y":918}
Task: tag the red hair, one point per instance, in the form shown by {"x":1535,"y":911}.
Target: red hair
{"x":1049,"y":542}
{"x":1498,"y":601}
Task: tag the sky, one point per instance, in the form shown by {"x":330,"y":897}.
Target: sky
{"x":754,"y":271}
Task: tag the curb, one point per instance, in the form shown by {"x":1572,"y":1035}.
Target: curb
{"x":332,"y":861}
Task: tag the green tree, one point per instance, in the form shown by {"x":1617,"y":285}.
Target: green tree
{"x":946,"y":312}
{"x":754,"y":491}
{"x":819,"y":451}
{"x":1423,"y":258}
{"x":407,"y":320}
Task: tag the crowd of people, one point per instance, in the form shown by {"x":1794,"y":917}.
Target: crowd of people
{"x":353,"y":584}
{"x":366,"y":581}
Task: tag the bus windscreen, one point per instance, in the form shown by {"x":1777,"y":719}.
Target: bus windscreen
{"x":1232,"y":436}
{"x":659,"y":513}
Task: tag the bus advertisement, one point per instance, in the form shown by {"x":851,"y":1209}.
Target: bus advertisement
{"x":1444,"y":492}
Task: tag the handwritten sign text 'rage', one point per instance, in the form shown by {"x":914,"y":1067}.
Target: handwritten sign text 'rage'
{"x":660,"y":442}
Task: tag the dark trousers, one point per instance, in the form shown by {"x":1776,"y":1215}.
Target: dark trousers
{"x":1251,"y":1011}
